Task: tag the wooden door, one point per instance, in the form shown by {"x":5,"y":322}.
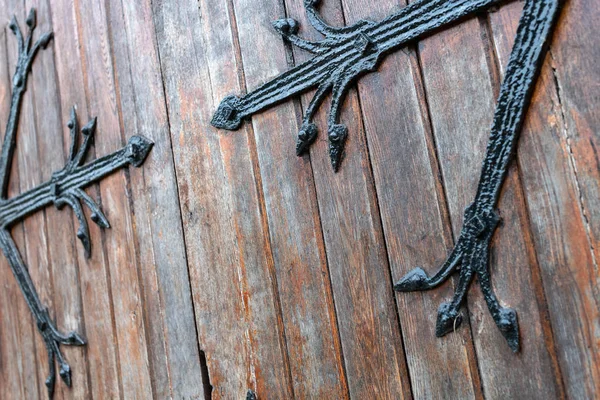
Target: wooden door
{"x":233,"y":265}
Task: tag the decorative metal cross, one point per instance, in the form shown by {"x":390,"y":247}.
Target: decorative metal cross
{"x":65,"y":188}
{"x":348,"y":52}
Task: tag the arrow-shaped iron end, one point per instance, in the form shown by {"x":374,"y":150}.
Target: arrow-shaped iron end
{"x":138,"y":148}
{"x":227,"y":115}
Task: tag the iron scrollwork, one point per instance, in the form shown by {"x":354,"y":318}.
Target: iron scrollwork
{"x":348,"y":52}
{"x":64,"y":189}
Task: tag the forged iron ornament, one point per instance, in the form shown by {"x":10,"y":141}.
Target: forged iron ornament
{"x":348,"y":52}
{"x":65,"y":188}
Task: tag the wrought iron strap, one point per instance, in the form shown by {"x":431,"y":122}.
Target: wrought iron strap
{"x":348,"y":52}
{"x":65,"y":188}
{"x":341,"y":58}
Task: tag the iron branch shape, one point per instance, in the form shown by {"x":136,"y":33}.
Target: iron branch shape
{"x":348,"y":52}
{"x":65,"y":188}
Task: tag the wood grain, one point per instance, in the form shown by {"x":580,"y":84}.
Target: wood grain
{"x":119,"y":242}
{"x":60,"y":252}
{"x":172,"y":337}
{"x":98,"y":311}
{"x":33,"y":242}
{"x":557,"y":203}
{"x":360,"y":277}
{"x":232,"y":264}
{"x":414,"y":214}
{"x":296,"y":238}
{"x":461,"y":96}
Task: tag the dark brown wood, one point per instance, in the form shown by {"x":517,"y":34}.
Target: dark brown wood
{"x":550,"y":171}
{"x":413,"y":214}
{"x":98,"y":312}
{"x":299,"y":256}
{"x":231,"y":266}
{"x":461,"y":101}
{"x":101,"y":91}
{"x":361,"y":282}
{"x":234,"y":265}
{"x":172,"y":338}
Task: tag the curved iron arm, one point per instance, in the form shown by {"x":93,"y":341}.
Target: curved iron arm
{"x":348,"y":52}
{"x":65,"y":188}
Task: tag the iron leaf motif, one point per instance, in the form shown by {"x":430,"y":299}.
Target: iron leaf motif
{"x":64,"y":189}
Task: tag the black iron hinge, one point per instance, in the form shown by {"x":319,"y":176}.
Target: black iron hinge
{"x":65,"y":188}
{"x":348,"y":52}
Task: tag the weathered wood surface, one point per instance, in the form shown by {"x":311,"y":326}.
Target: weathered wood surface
{"x":232,"y":264}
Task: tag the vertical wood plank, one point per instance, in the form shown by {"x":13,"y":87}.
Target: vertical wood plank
{"x":293,"y":215}
{"x":360,"y":276}
{"x":231,"y":267}
{"x":119,"y":241}
{"x":61,"y":240}
{"x":560,"y":174}
{"x":413,"y":213}
{"x":575,"y":54}
{"x":176,"y":370}
{"x":461,"y":103}
{"x":558,"y":227}
{"x":101,"y":345}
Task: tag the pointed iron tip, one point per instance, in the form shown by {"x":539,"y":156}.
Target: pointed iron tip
{"x":31,"y":19}
{"x":90,"y":127}
{"x":50,"y":382}
{"x":448,"y":320}
{"x":13,"y":24}
{"x":138,"y":149}
{"x":306,"y":137}
{"x":413,"y":281}
{"x":72,"y":123}
{"x":337,"y":139}
{"x":100,"y":220}
{"x":65,"y":374}
{"x":76,"y":340}
{"x":86,"y":242}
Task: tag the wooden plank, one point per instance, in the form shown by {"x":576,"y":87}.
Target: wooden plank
{"x":17,"y":341}
{"x":461,"y":101}
{"x":61,"y":253}
{"x":413,"y":213}
{"x":560,"y":171}
{"x":293,"y":215}
{"x":119,"y":242}
{"x":575,"y":53}
{"x":360,"y":276}
{"x":101,"y":348}
{"x":231,"y":267}
{"x":173,"y":343}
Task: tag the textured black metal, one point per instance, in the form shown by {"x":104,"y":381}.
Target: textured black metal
{"x":251,"y":395}
{"x":348,"y":52}
{"x":65,"y":188}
